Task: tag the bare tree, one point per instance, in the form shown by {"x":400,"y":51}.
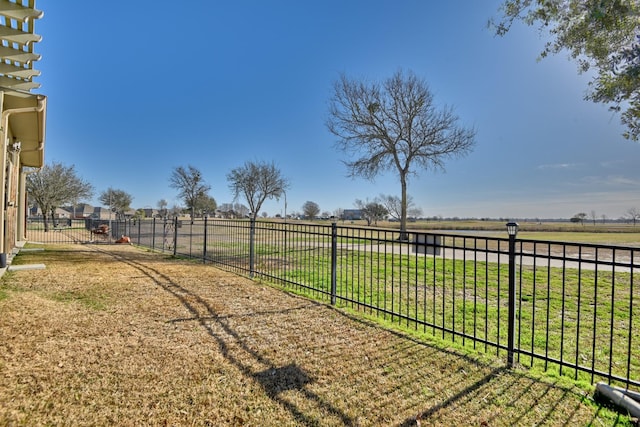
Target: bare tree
{"x":633,"y":214}
{"x":579,"y":217}
{"x":372,"y":212}
{"x":241,"y":210}
{"x":55,"y":185}
{"x":175,"y":211}
{"x":233,"y":210}
{"x":310,"y":209}
{"x":119,"y":201}
{"x":394,"y":126}
{"x":393,"y":204}
{"x":594,"y":216}
{"x":162,"y":207}
{"x":190,"y":185}
{"x":257,"y":182}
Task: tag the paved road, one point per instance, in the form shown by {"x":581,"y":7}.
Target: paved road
{"x":574,"y":260}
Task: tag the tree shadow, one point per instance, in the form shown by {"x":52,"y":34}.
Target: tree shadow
{"x":486,"y":394}
{"x":274,"y":379}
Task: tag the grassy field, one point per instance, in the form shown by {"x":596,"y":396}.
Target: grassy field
{"x":578,"y":317}
{"x":114,"y":335}
{"x":581,"y":317}
{"x":598,"y":233}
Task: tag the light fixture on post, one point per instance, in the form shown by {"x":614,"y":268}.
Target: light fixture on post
{"x":17,"y":145}
{"x":512,"y":230}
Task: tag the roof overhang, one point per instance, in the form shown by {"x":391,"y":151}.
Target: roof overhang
{"x":26,"y":115}
{"x":17,"y":40}
{"x":25,"y":112}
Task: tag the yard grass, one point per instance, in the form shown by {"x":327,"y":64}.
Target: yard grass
{"x":564,"y":314}
{"x":114,"y":335}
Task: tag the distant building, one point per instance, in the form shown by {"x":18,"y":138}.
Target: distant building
{"x":102,"y":214}
{"x":36,"y":212}
{"x":351,"y":214}
{"x":80,"y":211}
{"x":151,"y":213}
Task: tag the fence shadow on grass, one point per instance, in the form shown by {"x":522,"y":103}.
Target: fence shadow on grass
{"x":490,"y":395}
{"x":507,"y":391}
{"x":274,"y":379}
{"x":465,"y":391}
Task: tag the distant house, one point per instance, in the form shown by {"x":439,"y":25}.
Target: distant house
{"x":351,"y":214}
{"x":101,"y":213}
{"x":36,"y":213}
{"x":80,"y":211}
{"x":226,"y":214}
{"x":105,"y":214}
{"x":151,"y":213}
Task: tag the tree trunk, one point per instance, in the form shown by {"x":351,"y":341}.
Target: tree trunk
{"x":45,"y":220}
{"x":53,"y":217}
{"x":403,"y":207}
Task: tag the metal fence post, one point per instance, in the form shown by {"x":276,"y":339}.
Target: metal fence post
{"x":512,"y":229}
{"x":164,"y":233}
{"x":153,"y":233}
{"x":252,"y":248}
{"x":175,"y":236}
{"x":204,"y":243}
{"x":334,"y":261}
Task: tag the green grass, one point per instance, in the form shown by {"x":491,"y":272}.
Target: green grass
{"x":86,"y":299}
{"x":186,"y":344}
{"x":563,"y":315}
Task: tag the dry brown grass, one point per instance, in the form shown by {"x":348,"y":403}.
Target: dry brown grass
{"x":113,"y":335}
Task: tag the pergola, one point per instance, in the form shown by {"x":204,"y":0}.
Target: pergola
{"x":22,"y":118}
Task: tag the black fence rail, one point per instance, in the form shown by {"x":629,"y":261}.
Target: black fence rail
{"x":72,"y":231}
{"x":563,"y":307}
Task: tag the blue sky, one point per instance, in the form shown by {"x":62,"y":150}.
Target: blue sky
{"x":137,"y":88}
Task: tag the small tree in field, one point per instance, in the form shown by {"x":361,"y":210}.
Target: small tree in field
{"x":579,"y":217}
{"x":190,"y":185}
{"x":119,"y":201}
{"x":393,"y":204}
{"x":162,"y":207}
{"x":205,"y":204}
{"x":310,"y":210}
{"x":634,"y":215}
{"x":55,"y":185}
{"x":257,"y":182}
{"x":372,"y":212}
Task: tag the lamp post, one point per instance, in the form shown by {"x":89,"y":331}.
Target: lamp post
{"x":512,"y":230}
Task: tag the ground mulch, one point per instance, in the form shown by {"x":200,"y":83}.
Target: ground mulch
{"x":116,"y":335}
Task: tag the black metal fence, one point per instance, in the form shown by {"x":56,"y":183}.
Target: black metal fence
{"x":562,"y":307}
{"x":72,"y":231}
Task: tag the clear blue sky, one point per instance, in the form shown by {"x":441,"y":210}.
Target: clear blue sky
{"x":137,"y":88}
